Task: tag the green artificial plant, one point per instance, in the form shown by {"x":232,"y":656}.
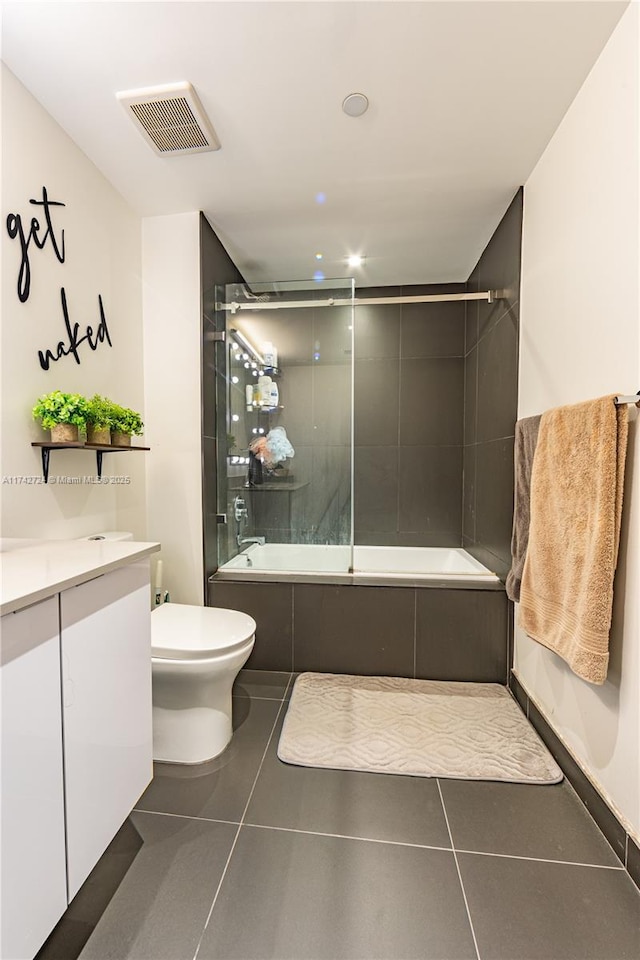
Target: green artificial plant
{"x":100,"y":412}
{"x":57,"y":407}
{"x":124,"y":420}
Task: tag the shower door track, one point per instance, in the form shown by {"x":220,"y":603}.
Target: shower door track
{"x":233,"y":307}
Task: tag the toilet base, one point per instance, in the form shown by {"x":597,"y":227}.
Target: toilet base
{"x":190,"y":734}
{"x":192,"y":706}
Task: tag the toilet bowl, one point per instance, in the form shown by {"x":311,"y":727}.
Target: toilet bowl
{"x":196,"y":654}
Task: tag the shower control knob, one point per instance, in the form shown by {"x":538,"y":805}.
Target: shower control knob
{"x":240,"y":509}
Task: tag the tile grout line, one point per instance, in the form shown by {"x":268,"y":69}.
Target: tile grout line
{"x":415,"y":630}
{"x":293,"y":635}
{"x":184,"y":816}
{"x":346,"y":836}
{"x":392,"y":843}
{"x":235,"y":839}
{"x":455,"y":857}
{"x":564,"y":863}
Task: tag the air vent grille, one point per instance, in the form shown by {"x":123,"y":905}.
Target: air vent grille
{"x":171,"y":119}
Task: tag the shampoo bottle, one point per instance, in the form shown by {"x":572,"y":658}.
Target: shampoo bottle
{"x":269,"y":354}
{"x":264,"y":383}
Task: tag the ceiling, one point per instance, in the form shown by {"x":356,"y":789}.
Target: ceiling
{"x":464,"y":97}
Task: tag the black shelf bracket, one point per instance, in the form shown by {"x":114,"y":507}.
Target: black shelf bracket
{"x":45,"y":463}
{"x":46,"y":448}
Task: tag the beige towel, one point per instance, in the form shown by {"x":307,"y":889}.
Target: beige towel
{"x":524,"y":449}
{"x":577,"y":481}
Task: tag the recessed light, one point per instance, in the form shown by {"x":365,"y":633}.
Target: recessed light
{"x":355,"y":260}
{"x":355,"y":104}
{"x":318,"y":256}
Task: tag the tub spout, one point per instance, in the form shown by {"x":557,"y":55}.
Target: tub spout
{"x":259,"y":540}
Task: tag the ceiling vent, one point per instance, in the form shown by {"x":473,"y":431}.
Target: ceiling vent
{"x":170,"y":118}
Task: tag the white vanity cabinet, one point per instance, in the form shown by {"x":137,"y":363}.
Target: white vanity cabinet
{"x":33,"y":874}
{"x":106,"y":687}
{"x":76,"y":737}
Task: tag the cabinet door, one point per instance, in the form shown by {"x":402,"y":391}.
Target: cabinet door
{"x":33,"y":875}
{"x":106,"y":681}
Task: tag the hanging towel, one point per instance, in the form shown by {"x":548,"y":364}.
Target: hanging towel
{"x":524,"y":449}
{"x":577,"y":481}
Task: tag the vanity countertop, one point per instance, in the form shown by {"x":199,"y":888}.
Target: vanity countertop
{"x":32,"y":570}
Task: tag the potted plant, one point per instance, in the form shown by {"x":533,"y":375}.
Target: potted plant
{"x":124,"y":423}
{"x":62,"y":414}
{"x":98,"y":417}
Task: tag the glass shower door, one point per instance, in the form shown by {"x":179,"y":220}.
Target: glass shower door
{"x":285,"y":402}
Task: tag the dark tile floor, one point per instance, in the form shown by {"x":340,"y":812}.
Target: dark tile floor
{"x":249,"y":858}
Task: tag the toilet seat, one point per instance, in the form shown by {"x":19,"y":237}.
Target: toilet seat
{"x":180,"y":631}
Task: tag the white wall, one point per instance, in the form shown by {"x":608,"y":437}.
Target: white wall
{"x":172,"y":323}
{"x":580,"y":339}
{"x":102,"y":238}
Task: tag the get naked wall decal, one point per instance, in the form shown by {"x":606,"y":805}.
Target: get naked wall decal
{"x":35,"y":234}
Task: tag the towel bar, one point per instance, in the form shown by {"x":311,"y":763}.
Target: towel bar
{"x":619,"y":401}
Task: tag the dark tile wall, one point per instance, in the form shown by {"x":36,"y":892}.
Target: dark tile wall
{"x":428,"y":633}
{"x":409,"y":402}
{"x":491,"y":396}
{"x":216,"y":268}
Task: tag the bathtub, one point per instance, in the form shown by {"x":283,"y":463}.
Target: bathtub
{"x":371,"y":565}
{"x":427,"y":612}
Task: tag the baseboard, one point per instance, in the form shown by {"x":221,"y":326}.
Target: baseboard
{"x":624,"y":846}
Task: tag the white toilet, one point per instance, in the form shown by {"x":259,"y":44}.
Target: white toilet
{"x":196,"y":654}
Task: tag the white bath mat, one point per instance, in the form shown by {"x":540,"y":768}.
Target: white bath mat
{"x":419,"y":728}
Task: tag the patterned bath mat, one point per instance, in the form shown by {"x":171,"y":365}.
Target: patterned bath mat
{"x":419,"y":728}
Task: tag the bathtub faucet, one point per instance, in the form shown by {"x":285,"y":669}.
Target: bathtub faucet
{"x":259,"y":540}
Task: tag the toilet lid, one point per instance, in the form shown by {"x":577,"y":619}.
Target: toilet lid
{"x":180,"y":631}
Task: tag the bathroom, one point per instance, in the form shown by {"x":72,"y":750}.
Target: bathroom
{"x":566,"y":224}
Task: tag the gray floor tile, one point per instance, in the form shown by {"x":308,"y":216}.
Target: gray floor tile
{"x":528,"y":910}
{"x":343,"y":802}
{"x":293,"y":896}
{"x":522,"y":820}
{"x":261,"y":684}
{"x":220,"y":788}
{"x":289,"y":690}
{"x":85,"y":911}
{"x":162,"y":904}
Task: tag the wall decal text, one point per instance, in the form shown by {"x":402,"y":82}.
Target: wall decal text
{"x":16,"y":229}
{"x":71,"y":347}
